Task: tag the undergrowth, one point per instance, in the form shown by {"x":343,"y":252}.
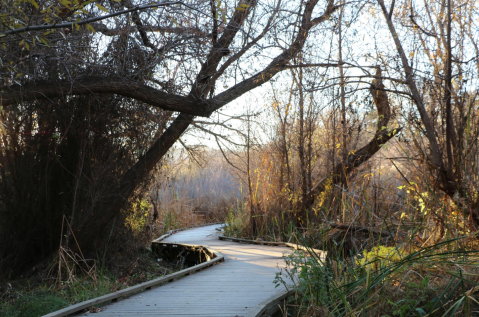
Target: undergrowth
{"x":438,"y":280}
{"x":121,"y":259}
{"x":43,"y":292}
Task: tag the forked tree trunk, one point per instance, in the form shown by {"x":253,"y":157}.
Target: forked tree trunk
{"x":358,"y":157}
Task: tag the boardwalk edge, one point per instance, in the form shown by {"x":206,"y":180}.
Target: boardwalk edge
{"x":295,"y":246}
{"x":270,"y":305}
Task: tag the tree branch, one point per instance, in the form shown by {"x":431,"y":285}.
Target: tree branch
{"x":87,"y":21}
{"x":203,"y":83}
{"x":103,"y":85}
{"x":279,"y":63}
{"x":100,"y":27}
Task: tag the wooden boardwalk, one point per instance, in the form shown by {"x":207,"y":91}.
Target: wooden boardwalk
{"x":231,"y":288}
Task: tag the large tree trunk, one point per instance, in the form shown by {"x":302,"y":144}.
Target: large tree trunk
{"x":110,"y":208}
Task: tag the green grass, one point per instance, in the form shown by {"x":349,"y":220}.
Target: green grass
{"x":34,"y":304}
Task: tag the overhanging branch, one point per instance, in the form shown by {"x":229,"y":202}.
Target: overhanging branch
{"x":103,"y":85}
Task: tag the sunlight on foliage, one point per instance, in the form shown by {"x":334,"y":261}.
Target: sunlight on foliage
{"x":385,"y":255}
{"x":136,"y":218}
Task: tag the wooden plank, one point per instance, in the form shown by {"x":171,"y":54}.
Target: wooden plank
{"x":170,"y":232}
{"x":162,"y":237}
{"x":134,"y":289}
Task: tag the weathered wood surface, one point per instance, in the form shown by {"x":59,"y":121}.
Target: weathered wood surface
{"x":231,"y":288}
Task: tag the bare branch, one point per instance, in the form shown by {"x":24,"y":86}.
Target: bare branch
{"x":280,"y":62}
{"x":315,"y":65}
{"x":237,"y":55}
{"x":91,"y":20}
{"x":100,"y":27}
{"x":408,"y":72}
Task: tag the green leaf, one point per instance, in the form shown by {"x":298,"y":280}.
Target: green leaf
{"x":240,"y":9}
{"x":102,"y":8}
{"x":245,"y":5}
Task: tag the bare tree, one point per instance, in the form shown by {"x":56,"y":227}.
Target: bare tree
{"x":437,"y":55}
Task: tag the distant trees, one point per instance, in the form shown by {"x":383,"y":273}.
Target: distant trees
{"x":91,"y":114}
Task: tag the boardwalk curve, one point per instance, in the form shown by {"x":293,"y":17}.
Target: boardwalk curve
{"x":237,"y":287}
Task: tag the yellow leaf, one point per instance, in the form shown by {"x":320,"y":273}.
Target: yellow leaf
{"x":102,"y":8}
{"x":35,"y":4}
{"x":89,"y":27}
{"x":240,"y":9}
